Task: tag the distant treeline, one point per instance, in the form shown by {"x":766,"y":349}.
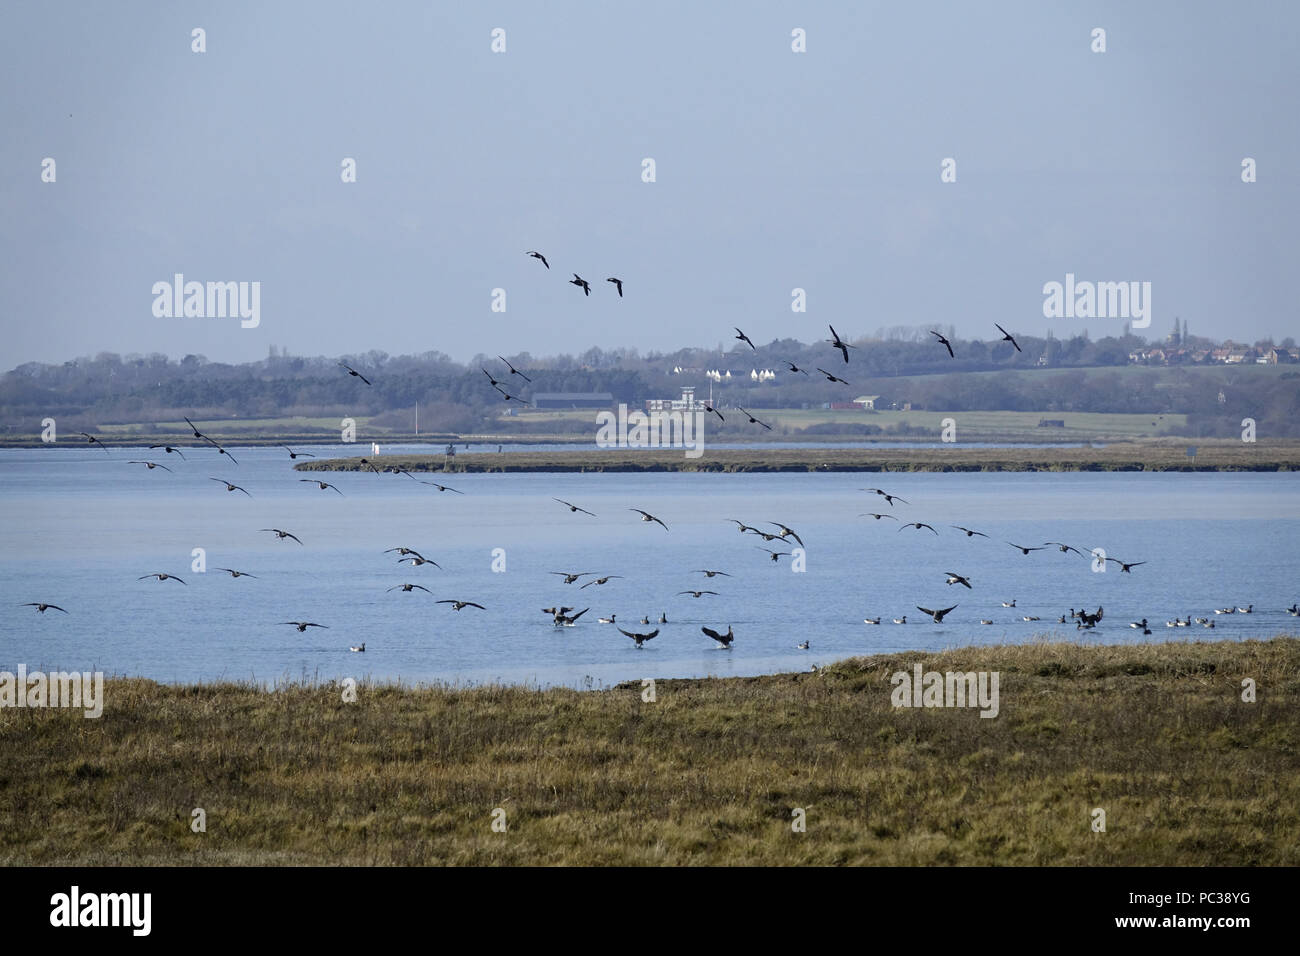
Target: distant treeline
{"x":454,"y":397}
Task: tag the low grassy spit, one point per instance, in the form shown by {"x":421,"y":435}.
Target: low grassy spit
{"x":1157,"y":735}
{"x":1127,"y":456}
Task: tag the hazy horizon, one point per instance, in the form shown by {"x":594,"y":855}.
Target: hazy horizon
{"x":775,"y":170}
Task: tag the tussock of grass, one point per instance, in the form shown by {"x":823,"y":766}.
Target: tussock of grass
{"x":1157,"y":735}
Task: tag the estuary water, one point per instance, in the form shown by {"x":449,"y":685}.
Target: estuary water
{"x":81,"y":526}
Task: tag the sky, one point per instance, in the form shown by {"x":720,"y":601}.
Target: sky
{"x":774,"y":170}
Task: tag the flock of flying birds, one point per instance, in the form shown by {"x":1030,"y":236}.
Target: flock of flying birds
{"x":563,"y":616}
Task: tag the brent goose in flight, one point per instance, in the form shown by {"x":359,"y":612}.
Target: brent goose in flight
{"x":581,"y":283}
{"x":237,"y":574}
{"x":41,"y":608}
{"x":640,"y":638}
{"x":161,"y":577}
{"x":296,"y":454}
{"x":457,"y":605}
{"x":151,"y":465}
{"x":872,"y":514}
{"x":439,"y":487}
{"x":711,"y":574}
{"x":944,"y":342}
{"x":937,"y":615}
{"x":170,"y":450}
{"x":95,"y":441}
{"x":839,"y":343}
{"x":1124,"y":567}
{"x":832,"y":378}
{"x":1023,"y":550}
{"x":618,"y":284}
{"x":955,"y":578}
{"x":513,"y":370}
{"x":795,"y":368}
{"x":1006,"y":337}
{"x":918,"y":525}
{"x":1064,"y":547}
{"x":572,"y":508}
{"x":323,"y":484}
{"x":723,"y":639}
{"x":755,"y":421}
{"x":303,"y":625}
{"x":969,"y":532}
{"x":647,"y":516}
{"x":888,"y":497}
{"x":599,"y":581}
{"x":787,"y":532}
{"x":538,"y":255}
{"x":407,"y":588}
{"x":776,"y":555}
{"x":352,"y":371}
{"x":282,"y":534}
{"x":232,"y":487}
{"x":697,"y":593}
{"x":571,"y":576}
{"x":744,"y":338}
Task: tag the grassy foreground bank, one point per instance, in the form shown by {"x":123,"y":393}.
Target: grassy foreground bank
{"x":1220,"y":455}
{"x":709,"y":773}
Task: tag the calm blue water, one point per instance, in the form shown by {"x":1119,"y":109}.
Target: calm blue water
{"x":81,"y":526}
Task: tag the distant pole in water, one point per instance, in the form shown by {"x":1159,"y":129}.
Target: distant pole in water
{"x":417,"y":418}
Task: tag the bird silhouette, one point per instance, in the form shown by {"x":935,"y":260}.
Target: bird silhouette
{"x":170,"y":450}
{"x":795,"y":368}
{"x":408,"y":588}
{"x":151,"y":465}
{"x":439,"y":487}
{"x":515,"y":371}
{"x":303,"y":625}
{"x":234,"y":487}
{"x":282,"y":534}
{"x":711,"y":574}
{"x":969,"y":532}
{"x":723,"y":639}
{"x":744,"y":338}
{"x":296,"y":454}
{"x":832,"y":378}
{"x":937,"y":615}
{"x":160,"y":576}
{"x":237,"y":574}
{"x":647,"y":516}
{"x":41,"y":607}
{"x":618,"y":283}
{"x":91,"y":439}
{"x":872,"y":514}
{"x":538,"y":255}
{"x":352,"y":371}
{"x":640,"y":638}
{"x":582,"y":283}
{"x":1006,"y":337}
{"x":323,"y":484}
{"x":697,"y":593}
{"x":755,"y":421}
{"x":837,"y":342}
{"x":1023,"y":550}
{"x":572,"y":508}
{"x":918,"y":525}
{"x":955,"y":578}
{"x":944,"y":342}
{"x":571,"y":576}
{"x":890,"y":499}
{"x":599,"y":581}
{"x":457,"y":605}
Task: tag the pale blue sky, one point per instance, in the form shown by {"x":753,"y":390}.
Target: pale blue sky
{"x":775,"y":170}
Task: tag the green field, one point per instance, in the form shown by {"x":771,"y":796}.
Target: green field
{"x":710,"y":772}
